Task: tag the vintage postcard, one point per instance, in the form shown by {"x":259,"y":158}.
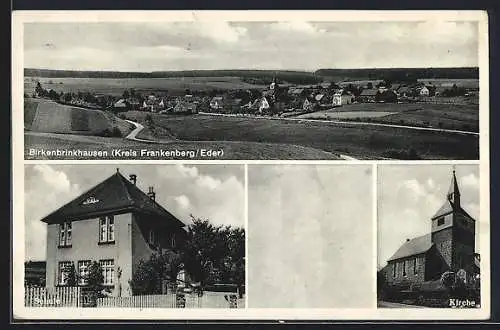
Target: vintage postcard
{"x":250,"y":165}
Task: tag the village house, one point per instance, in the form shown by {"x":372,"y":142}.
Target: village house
{"x":121,"y":105}
{"x":450,"y":246}
{"x":114,"y":223}
{"x":307,"y":105}
{"x":368,"y":95}
{"x":342,"y":97}
{"x":424,"y":91}
{"x":217,"y":103}
{"x":186,"y":107}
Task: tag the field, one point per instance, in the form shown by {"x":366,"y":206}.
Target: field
{"x":465,"y":83}
{"x":446,"y":116}
{"x":116,"y":87}
{"x":359,"y":141}
{"x":231,"y":150}
{"x":333,"y":114}
{"x":47,"y":116}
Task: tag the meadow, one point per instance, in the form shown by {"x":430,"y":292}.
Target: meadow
{"x":232,"y":150}
{"x":436,"y":115}
{"x":47,"y":116}
{"x":116,"y":86}
{"x":359,"y":141}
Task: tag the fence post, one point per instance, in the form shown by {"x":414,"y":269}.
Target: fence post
{"x":180,"y":300}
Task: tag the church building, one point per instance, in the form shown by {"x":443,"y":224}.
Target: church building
{"x":449,"y":246}
{"x":115,"y":224}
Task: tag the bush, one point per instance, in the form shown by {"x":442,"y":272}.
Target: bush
{"x":406,"y":154}
{"x":116,"y":132}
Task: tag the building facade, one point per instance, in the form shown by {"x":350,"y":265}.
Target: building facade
{"x":450,"y":246}
{"x":115,"y":224}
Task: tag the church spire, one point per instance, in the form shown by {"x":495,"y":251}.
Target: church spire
{"x":453,"y":192}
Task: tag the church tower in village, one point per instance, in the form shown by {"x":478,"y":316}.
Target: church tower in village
{"x":453,"y":230}
{"x":274,"y":90}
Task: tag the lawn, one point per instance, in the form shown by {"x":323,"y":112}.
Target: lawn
{"x":359,"y":141}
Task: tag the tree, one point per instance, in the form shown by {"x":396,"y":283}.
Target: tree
{"x":95,"y":278}
{"x":150,"y":274}
{"x":39,"y":90}
{"x":53,"y":95}
{"x":215,"y":254}
{"x":72,"y":276}
{"x":126,"y":94}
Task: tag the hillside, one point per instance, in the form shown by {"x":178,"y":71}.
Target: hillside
{"x":46,"y":116}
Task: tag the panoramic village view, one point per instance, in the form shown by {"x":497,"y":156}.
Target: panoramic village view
{"x":422,"y":107}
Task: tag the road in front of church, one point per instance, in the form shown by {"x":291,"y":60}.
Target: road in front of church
{"x":386,"y":304}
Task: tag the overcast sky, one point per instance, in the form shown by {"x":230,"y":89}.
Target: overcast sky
{"x":213,"y":192}
{"x":297,"y":45}
{"x":310,"y":236}
{"x":410,"y":195}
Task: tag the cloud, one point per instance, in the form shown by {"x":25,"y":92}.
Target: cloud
{"x":45,"y":190}
{"x":187,"y":171}
{"x":296,"y":26}
{"x":470,"y":181}
{"x":183,"y":201}
{"x":208,"y":182}
{"x":410,"y":195}
{"x":296,"y":44}
{"x":222,"y":31}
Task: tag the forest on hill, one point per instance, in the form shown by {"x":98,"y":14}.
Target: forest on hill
{"x":264,"y":76}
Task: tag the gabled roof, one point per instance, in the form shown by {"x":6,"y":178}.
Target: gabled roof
{"x":115,"y":194}
{"x":445,"y":209}
{"x":369,"y":92}
{"x":415,"y":246}
{"x":319,"y":97}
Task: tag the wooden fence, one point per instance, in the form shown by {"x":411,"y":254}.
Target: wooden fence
{"x":79,"y":297}
{"x":171,"y":300}
{"x":52,"y":297}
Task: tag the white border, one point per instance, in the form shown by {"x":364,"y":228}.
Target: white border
{"x":19,"y":311}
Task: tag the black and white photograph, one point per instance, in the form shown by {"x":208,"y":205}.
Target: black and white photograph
{"x":136,"y":236}
{"x":428,"y":236}
{"x":243,"y":165}
{"x":257,"y":90}
{"x":310,"y":236}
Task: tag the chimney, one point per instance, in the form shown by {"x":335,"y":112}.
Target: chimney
{"x":151,"y":194}
{"x":132,"y":178}
{"x":407,"y":239}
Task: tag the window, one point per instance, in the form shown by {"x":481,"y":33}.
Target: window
{"x":152,"y":237}
{"x":107,"y":229}
{"x":394,"y":269}
{"x":172,"y":241}
{"x":65,"y":234}
{"x":83,"y":271}
{"x":108,"y":271}
{"x":415,"y":264}
{"x":440,"y":221}
{"x":63,"y":272}
{"x":404,"y":267}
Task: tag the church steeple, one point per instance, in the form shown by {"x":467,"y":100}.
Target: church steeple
{"x":453,"y":192}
